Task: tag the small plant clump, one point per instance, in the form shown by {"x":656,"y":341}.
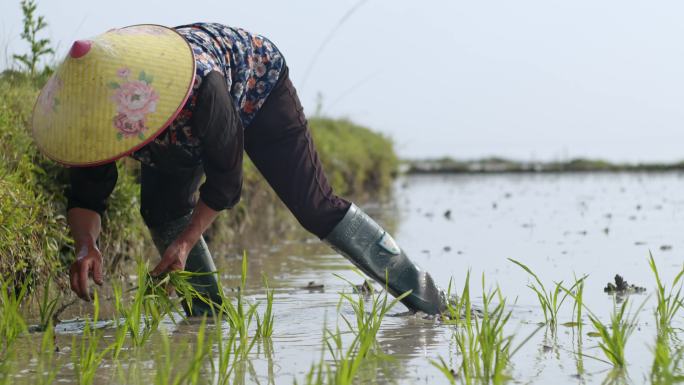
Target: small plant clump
{"x":38,"y":47}
{"x":668,"y":361}
{"x":481,"y":342}
{"x":348,"y":359}
{"x":12,"y":324}
{"x":670,"y":303}
{"x":550,"y":300}
{"x":87,"y":354}
{"x":614,"y":337}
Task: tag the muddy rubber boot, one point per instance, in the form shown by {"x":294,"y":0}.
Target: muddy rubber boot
{"x":368,"y":246}
{"x":199,"y":261}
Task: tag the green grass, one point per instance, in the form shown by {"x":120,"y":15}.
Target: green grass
{"x":47,"y":306}
{"x":670,"y":303}
{"x":481,"y":342}
{"x":87,"y":354}
{"x":151,"y":303}
{"x":613,"y":337}
{"x":347,"y":359}
{"x":579,"y":304}
{"x":12,"y":324}
{"x":265,"y":323}
{"x":445,"y":369}
{"x":668,"y":362}
{"x":457,"y":308}
{"x":174,"y":367}
{"x":241,"y":314}
{"x":46,"y":370}
{"x":225,"y":357}
{"x":550,"y":300}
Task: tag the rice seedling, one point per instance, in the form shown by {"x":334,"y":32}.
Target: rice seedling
{"x":151,"y":303}
{"x":12,"y":323}
{"x":459,"y":306}
{"x":484,"y":348}
{"x":167,"y":362}
{"x":6,"y":371}
{"x":46,"y":372}
{"x":164,"y":364}
{"x":614,"y":337}
{"x":550,"y":300}
{"x":87,"y":357}
{"x":47,"y":307}
{"x":140,"y":318}
{"x":579,"y":303}
{"x":578,"y":297}
{"x":668,"y":303}
{"x":347,"y":360}
{"x":668,"y":363}
{"x":319,"y":374}
{"x":365,"y":329}
{"x":121,"y":325}
{"x":265,"y":325}
{"x":226,"y":358}
{"x":241,"y":315}
{"x":446,"y":370}
{"x":202,"y":350}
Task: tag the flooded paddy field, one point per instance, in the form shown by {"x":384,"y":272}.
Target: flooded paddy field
{"x":560,"y":225}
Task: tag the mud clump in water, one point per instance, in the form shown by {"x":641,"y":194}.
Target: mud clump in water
{"x":313,"y":286}
{"x":622,"y":287}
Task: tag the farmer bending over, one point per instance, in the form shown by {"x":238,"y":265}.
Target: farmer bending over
{"x":186,"y":102}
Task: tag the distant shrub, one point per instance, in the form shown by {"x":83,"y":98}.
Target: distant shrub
{"x":356,"y":159}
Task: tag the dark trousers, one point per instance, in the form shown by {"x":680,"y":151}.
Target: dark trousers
{"x":279,"y":143}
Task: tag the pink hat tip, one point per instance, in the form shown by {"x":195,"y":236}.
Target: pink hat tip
{"x":80,"y":48}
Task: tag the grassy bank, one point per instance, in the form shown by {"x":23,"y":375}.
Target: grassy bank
{"x":502,"y":165}
{"x":33,"y":230}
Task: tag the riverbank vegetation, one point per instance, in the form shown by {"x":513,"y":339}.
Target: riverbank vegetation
{"x":502,"y":165}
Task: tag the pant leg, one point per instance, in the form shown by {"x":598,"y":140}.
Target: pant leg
{"x":279,"y":143}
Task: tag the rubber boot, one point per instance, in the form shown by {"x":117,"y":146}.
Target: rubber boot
{"x":199,"y":261}
{"x":368,"y":246}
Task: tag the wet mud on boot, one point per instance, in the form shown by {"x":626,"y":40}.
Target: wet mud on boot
{"x":370,"y":248}
{"x":199,"y":261}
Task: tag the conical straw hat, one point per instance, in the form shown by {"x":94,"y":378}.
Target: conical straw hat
{"x":113,"y":94}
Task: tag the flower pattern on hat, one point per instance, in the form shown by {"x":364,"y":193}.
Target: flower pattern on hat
{"x":135,"y":100}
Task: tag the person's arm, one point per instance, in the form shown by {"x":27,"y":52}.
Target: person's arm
{"x":176,"y":254}
{"x":90,"y":188}
{"x":85,"y":229}
{"x":219,"y":128}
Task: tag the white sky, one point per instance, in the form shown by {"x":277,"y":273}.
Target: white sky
{"x":530,"y":79}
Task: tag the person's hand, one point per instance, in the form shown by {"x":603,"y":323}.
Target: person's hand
{"x":174,"y":257}
{"x":88,"y":263}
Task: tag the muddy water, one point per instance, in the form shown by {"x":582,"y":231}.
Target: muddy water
{"x":560,"y":225}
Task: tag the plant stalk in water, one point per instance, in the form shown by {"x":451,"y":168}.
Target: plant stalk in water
{"x":87,"y":357}
{"x":668,"y":361}
{"x":484,"y":348}
{"x":613,"y":338}
{"x":46,"y":371}
{"x":265,"y":323}
{"x":12,"y":324}
{"x":668,"y":303}
{"x":549,"y":300}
